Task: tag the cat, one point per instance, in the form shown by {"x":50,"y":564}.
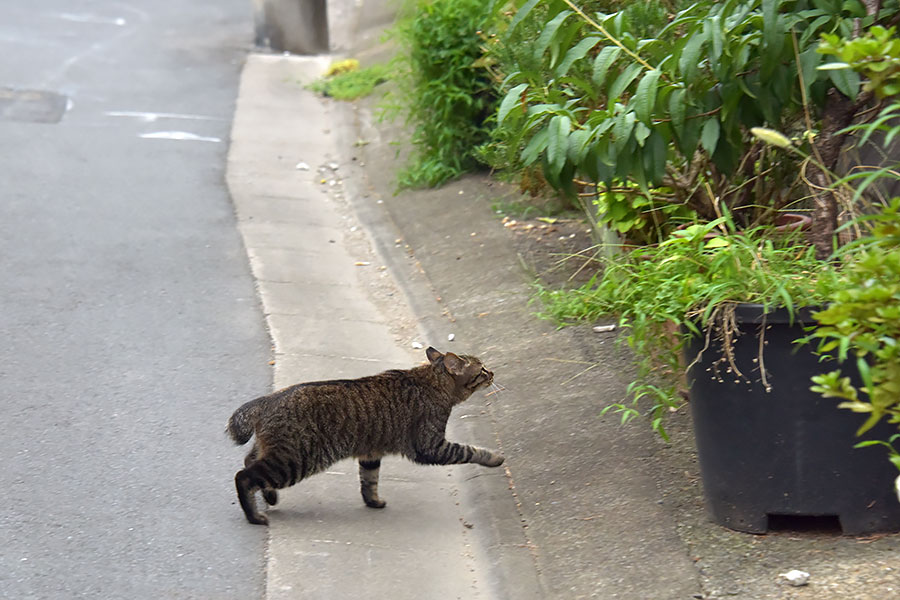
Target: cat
{"x":303,"y":429}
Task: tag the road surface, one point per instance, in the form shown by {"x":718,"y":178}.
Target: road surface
{"x":129,"y":320}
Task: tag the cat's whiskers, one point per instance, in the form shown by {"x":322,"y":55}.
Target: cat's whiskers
{"x":495,"y":388}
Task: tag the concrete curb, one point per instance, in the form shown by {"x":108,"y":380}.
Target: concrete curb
{"x":488,"y":498}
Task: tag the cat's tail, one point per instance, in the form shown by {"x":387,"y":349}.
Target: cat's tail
{"x":242,"y":422}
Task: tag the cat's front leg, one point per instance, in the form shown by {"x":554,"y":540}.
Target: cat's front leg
{"x":369,"y":467}
{"x":451,"y":453}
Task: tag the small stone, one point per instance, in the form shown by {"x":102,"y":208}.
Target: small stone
{"x":604,"y":328}
{"x":451,"y":337}
{"x":795,"y":578}
{"x":417,"y":345}
{"x":302,"y":166}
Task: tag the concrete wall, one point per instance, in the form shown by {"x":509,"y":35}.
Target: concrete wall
{"x":295,"y":26}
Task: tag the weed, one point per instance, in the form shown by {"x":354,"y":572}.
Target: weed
{"x":352,"y":83}
{"x":667,"y":293}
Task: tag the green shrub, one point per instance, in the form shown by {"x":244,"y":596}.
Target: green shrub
{"x":664,"y":112}
{"x":862,"y":322}
{"x":447,"y":96}
{"x":862,"y":318}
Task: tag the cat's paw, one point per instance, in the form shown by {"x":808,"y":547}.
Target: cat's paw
{"x":270,"y":496}
{"x":258,"y":519}
{"x":494,"y":460}
{"x":376,"y":503}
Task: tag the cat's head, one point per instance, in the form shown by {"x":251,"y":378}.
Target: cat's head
{"x":468,"y":371}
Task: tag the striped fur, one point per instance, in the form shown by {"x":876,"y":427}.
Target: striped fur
{"x":303,"y":429}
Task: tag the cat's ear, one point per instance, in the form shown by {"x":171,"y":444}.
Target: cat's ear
{"x":453,"y":364}
{"x":432,"y":354}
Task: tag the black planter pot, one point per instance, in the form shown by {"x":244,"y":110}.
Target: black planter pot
{"x":786,"y":452}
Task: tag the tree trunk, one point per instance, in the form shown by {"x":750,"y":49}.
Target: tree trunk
{"x":838,"y":114}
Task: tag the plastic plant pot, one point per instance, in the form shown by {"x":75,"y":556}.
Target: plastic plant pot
{"x":785,"y":452}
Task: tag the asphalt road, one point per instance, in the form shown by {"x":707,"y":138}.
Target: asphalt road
{"x":129,"y":322}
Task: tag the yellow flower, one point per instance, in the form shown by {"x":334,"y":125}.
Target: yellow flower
{"x":771,"y":137}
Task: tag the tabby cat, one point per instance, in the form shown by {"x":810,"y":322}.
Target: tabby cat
{"x":303,"y":429}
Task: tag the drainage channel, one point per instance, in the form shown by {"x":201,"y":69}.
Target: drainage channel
{"x":32,"y":106}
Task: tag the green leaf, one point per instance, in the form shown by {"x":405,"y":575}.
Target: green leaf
{"x":624,"y":124}
{"x":770,"y":16}
{"x":604,"y":60}
{"x":788,"y":302}
{"x":773,"y":30}
{"x":645,"y":95}
{"x":854,"y":8}
{"x":577,"y":52}
{"x":876,"y":125}
{"x":677,"y":109}
{"x":688,"y":63}
{"x":521,"y":14}
{"x":713,"y":30}
{"x":866,"y":374}
{"x":623,"y":81}
{"x":641,"y":133}
{"x":655,"y":155}
{"x":870,"y":443}
{"x":809,"y":63}
{"x":548,"y":32}
{"x":709,"y":136}
{"x":535,"y":146}
{"x":846,"y":81}
{"x":869,"y":424}
{"x":578,"y":145}
{"x":813,"y":29}
{"x":558,"y":142}
{"x":689,"y":137}
{"x":510,"y":100}
{"x":834,"y":66}
{"x":717,"y":242}
{"x":825,"y":348}
{"x":564,"y":40}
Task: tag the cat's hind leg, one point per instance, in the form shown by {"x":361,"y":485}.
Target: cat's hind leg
{"x":268,"y":494}
{"x":369,"y":467}
{"x":247,"y":481}
{"x":268,"y":474}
